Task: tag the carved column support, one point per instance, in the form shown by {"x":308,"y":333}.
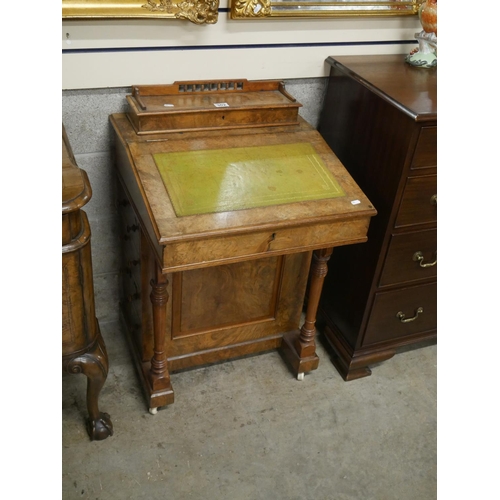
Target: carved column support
{"x":299,"y":347}
{"x":306,"y":344}
{"x":159,"y":377}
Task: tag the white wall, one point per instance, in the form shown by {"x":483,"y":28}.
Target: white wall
{"x":117,"y":53}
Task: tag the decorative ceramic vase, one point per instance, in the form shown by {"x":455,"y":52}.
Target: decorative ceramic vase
{"x":425,"y":56}
{"x":428,"y":16}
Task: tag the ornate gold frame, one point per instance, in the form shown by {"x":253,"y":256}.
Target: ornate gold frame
{"x":196,"y":11}
{"x":256,"y":9}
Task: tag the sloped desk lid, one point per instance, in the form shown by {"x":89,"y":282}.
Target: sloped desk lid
{"x":221,"y":180}
{"x":179,"y":207}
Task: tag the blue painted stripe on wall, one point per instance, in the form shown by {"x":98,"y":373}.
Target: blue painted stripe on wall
{"x":243,"y":46}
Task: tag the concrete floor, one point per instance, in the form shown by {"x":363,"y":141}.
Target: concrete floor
{"x":248,"y":430}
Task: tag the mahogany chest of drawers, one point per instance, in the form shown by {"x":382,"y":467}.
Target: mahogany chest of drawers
{"x":380,"y":119}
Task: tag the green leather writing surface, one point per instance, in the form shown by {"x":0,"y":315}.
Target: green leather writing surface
{"x":221,"y":180}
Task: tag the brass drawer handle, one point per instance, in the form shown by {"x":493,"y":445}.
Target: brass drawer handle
{"x":400,"y":315}
{"x":418,"y":257}
{"x":434,"y":199}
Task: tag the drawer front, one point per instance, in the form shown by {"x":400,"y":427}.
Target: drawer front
{"x":426,"y":149}
{"x":226,"y":249}
{"x":411,"y":256}
{"x":386,"y":321}
{"x":419,"y":203}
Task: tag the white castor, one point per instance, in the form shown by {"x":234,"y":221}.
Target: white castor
{"x":300,"y":376}
{"x":153,"y":411}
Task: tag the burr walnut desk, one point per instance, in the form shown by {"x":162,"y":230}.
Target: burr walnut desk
{"x":380,"y":118}
{"x":226,"y":196}
{"x":83,"y":349}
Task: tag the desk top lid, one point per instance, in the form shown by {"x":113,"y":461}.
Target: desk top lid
{"x":242,"y":181}
{"x":210,"y":105}
{"x":235,"y":178}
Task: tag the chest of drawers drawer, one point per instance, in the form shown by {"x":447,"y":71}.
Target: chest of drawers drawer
{"x":411,"y":256}
{"x":419,"y":203}
{"x":403,"y":312}
{"x":425,"y":154}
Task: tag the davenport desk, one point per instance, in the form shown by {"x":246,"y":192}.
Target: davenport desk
{"x":226,"y":197}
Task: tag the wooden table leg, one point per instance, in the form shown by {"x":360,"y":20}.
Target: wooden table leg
{"x":160,"y":388}
{"x":299,"y":348}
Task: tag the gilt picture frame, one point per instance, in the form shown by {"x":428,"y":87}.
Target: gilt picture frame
{"x":258,"y":9}
{"x":196,"y":11}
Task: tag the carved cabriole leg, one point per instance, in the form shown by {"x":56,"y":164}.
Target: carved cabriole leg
{"x":94,"y":365}
{"x":158,"y":376}
{"x":300,"y":347}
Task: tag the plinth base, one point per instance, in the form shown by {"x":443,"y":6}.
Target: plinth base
{"x":298,"y":365}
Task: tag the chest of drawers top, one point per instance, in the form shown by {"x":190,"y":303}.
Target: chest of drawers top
{"x":412,"y":90}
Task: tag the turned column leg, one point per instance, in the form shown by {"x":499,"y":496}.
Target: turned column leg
{"x":306,"y":343}
{"x":94,"y":365}
{"x":300,"y":348}
{"x":158,"y":376}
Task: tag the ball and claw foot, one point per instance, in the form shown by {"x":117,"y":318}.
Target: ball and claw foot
{"x":153,"y":411}
{"x":300,"y":376}
{"x":100,"y":428}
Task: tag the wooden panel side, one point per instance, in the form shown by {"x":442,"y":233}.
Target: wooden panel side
{"x":210,"y":324}
{"x":227,"y":295}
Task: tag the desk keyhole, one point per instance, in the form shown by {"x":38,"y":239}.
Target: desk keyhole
{"x":271,"y":239}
